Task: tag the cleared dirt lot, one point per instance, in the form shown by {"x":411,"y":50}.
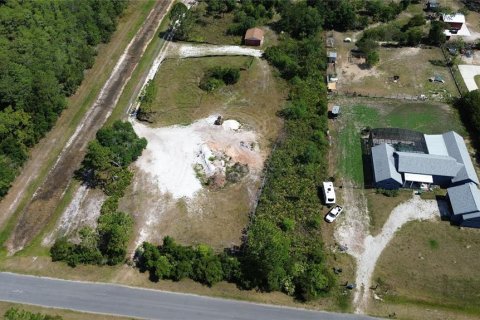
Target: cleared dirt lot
{"x":213,"y":216}
{"x":413,"y":65}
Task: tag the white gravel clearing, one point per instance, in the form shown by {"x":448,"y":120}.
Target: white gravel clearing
{"x":189,"y":51}
{"x":173,"y":151}
{"x":366,"y":249}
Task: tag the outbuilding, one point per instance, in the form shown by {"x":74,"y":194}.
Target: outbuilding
{"x":332,"y":56}
{"x":254,"y":37}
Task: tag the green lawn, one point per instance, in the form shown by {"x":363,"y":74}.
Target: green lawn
{"x":477,"y":80}
{"x":432,"y":265}
{"x":358,"y":113}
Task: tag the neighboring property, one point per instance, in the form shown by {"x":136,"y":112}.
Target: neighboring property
{"x":254,"y":37}
{"x":405,"y":158}
{"x":433,"y":5}
{"x":456,"y":25}
{"x":332,"y":56}
{"x":329,"y":193}
{"x":465,"y":205}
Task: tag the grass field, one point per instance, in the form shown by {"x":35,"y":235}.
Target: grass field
{"x":477,"y":80}
{"x":358,"y":113}
{"x":65,"y":314}
{"x":432,"y":265}
{"x":380,"y":207}
{"x":413,"y":66}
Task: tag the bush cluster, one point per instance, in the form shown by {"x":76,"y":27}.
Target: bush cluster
{"x":19,"y":314}
{"x":218,"y":77}
{"x":175,"y":262}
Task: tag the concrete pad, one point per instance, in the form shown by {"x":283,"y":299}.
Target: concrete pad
{"x":468,"y":74}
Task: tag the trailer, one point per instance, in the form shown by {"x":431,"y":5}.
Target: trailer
{"x":328,"y":193}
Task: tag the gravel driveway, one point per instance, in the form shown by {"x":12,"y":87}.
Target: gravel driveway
{"x":468,"y":74}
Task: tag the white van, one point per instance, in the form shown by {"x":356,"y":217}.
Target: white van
{"x":328,"y":193}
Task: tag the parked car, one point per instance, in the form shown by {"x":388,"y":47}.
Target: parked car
{"x":333,"y":213}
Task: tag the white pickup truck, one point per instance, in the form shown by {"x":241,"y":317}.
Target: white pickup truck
{"x":333,"y":213}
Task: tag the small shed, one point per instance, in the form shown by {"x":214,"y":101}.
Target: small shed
{"x":332,"y":56}
{"x":332,"y":86}
{"x":254,"y":37}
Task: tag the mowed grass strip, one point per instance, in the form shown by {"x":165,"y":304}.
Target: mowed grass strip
{"x":477,"y":80}
{"x":432,"y":264}
{"x":358,"y":113}
{"x":380,"y":207}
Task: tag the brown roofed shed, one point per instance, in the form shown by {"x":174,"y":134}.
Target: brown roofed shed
{"x":254,"y":37}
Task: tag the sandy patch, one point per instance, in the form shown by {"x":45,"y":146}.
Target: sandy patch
{"x":173,"y":152}
{"x":83,"y":210}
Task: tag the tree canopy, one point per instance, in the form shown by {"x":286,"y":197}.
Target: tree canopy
{"x":45,"y":46}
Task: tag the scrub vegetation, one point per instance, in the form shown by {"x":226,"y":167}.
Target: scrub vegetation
{"x":105,"y":166}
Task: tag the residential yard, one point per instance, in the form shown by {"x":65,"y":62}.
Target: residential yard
{"x":380,"y":207}
{"x":413,"y":65}
{"x":430,"y":267}
{"x":358,"y":113}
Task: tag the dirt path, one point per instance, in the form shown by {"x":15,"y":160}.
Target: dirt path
{"x":366,"y":249}
{"x":46,"y":198}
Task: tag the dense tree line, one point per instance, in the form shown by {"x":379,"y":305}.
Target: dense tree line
{"x":469,"y":107}
{"x":105,"y":166}
{"x":176,"y":262}
{"x":45,"y":46}
{"x":19,"y":314}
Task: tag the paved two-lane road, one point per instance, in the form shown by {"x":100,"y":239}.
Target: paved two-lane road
{"x":143,"y":303}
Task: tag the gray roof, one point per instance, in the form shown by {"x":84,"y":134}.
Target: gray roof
{"x":457,"y":149}
{"x":464,"y":198}
{"x":428,"y":164}
{"x":331,"y":54}
{"x":384,"y":163}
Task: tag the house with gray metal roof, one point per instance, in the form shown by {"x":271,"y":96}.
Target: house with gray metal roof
{"x":386,"y":175}
{"x":444,"y":161}
{"x":465,"y":204}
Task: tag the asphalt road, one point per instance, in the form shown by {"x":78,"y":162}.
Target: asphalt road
{"x":143,"y":303}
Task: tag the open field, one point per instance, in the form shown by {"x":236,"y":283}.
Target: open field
{"x":380,"y":207}
{"x":358,"y":113}
{"x":216,"y":217}
{"x":65,"y":314}
{"x":431,"y":265}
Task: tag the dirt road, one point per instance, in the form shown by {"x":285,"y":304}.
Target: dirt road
{"x":38,"y":211}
